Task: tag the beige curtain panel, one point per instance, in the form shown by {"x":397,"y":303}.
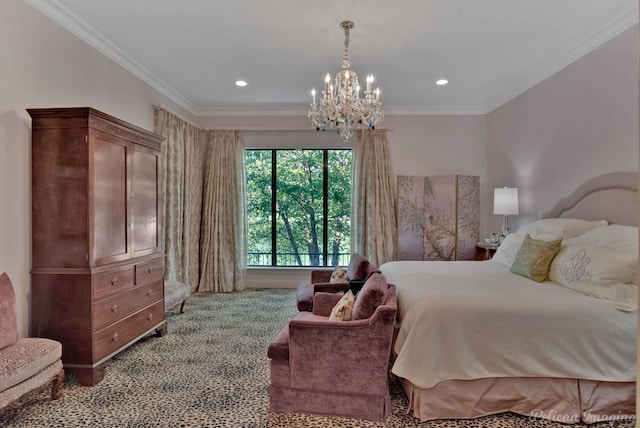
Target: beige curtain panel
{"x":374,"y":232}
{"x":223,"y":240}
{"x":182,"y":166}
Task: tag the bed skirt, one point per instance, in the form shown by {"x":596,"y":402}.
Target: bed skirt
{"x":561,"y":400}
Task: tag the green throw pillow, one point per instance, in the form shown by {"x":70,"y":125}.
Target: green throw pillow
{"x":534,"y":257}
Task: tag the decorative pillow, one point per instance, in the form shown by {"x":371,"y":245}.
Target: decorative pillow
{"x":534,"y":257}
{"x":358,"y":267}
{"x":338,"y":275}
{"x":508,"y":249}
{"x":343,"y":309}
{"x":601,"y":263}
{"x":8,"y":321}
{"x":373,"y":294}
{"x":565,"y":227}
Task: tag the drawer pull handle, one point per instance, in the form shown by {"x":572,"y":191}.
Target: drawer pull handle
{"x":115,"y":336}
{"x":150,"y":292}
{"x":115,"y":308}
{"x":150,"y":317}
{"x":149,"y":270}
{"x":114,"y":281}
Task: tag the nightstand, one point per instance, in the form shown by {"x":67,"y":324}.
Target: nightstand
{"x":484,"y":250}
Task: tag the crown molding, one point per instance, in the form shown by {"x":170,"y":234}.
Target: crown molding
{"x":621,"y":23}
{"x":71,"y":22}
{"x":302,"y":110}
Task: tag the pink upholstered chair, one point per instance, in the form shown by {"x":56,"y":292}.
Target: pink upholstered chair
{"x":358,"y":271}
{"x":336,"y":368}
{"x":25,"y":364}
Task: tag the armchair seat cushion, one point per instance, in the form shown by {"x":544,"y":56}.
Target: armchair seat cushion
{"x":25,"y":358}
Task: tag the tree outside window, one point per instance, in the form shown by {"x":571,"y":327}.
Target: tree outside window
{"x":299,"y":207}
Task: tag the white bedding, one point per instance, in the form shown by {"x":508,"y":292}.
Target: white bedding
{"x":469,"y":320}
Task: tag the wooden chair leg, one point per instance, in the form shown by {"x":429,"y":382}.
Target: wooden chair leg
{"x":57,"y":383}
{"x":182,"y":306}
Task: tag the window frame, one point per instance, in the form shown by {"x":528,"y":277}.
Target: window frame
{"x":325,"y":204}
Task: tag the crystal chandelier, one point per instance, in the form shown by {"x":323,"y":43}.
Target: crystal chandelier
{"x":341,"y":106}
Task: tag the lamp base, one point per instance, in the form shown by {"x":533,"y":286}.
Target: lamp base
{"x":505,"y":227}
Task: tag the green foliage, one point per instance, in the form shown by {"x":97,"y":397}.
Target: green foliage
{"x":299,"y":205}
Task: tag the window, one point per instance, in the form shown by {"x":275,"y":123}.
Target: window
{"x":299,"y":207}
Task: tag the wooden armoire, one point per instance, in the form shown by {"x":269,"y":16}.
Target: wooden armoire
{"x":97,"y":281}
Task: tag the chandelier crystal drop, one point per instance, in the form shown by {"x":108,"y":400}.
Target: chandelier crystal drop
{"x":341,"y":106}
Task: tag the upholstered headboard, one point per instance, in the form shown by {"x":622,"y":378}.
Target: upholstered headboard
{"x":612,"y":197}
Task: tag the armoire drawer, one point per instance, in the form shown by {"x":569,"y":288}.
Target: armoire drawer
{"x":115,"y":336}
{"x":115,"y":281}
{"x":149,"y":271}
{"x":119,"y":306}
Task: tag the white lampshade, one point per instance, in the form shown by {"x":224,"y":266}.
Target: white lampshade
{"x":505,"y":201}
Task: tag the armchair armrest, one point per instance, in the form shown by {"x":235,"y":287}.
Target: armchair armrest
{"x":323,"y":303}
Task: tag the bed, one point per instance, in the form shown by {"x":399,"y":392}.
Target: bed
{"x":475,"y":339}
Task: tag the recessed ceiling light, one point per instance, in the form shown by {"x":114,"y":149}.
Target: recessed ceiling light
{"x":442,"y":82}
{"x":241,"y":83}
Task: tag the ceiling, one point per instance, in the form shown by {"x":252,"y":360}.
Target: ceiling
{"x":193,"y":51}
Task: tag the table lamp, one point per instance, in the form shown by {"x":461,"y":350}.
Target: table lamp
{"x":505,"y":202}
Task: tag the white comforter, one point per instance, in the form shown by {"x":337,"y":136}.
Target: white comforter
{"x":469,"y":320}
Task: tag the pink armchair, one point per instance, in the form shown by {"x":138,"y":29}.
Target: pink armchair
{"x":358,"y":271}
{"x":26,"y":364}
{"x":336,"y":368}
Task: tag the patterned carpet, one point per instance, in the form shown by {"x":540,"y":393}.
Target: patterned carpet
{"x":211,"y":370}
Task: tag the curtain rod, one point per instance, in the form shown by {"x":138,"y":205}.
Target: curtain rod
{"x":251,"y":129}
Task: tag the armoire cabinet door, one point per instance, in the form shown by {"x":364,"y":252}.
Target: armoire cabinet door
{"x":145,"y":207}
{"x":109,"y":168}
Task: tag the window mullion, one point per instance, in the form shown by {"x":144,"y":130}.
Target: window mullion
{"x":325,"y":207}
{"x":274,"y":219}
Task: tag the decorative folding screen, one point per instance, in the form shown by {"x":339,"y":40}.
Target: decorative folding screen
{"x":438,"y":217}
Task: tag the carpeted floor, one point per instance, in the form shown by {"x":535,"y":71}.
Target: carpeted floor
{"x":211,"y":370}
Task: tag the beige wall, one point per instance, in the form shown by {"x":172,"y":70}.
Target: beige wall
{"x":566,"y":129}
{"x":579,"y":123}
{"x":43,"y":65}
{"x":418,"y":145}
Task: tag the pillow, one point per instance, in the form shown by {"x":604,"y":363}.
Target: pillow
{"x":506,"y":252}
{"x":565,"y":227}
{"x":338,"y":276}
{"x":601,"y":263}
{"x":343,"y":309}
{"x":546,"y":229}
{"x":508,"y":249}
{"x":534,"y":257}
{"x":373,"y":294}
{"x":8,"y":321}
{"x":358,"y":267}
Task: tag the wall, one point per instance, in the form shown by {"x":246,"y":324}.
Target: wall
{"x":43,"y":65}
{"x":418,"y":145}
{"x":579,"y":123}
